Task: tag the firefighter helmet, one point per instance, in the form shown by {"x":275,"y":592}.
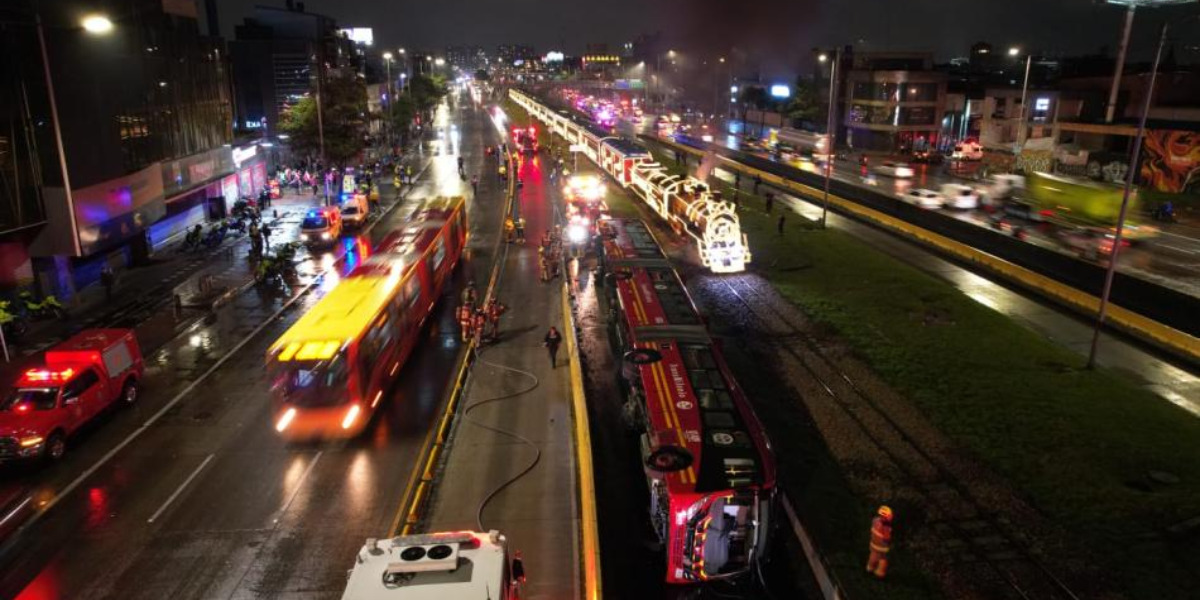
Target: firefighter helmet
{"x":885,"y":512}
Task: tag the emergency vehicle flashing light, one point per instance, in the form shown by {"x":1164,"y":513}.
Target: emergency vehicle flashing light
{"x":48,"y":375}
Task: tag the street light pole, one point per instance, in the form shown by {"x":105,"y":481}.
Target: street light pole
{"x":1133,"y":167}
{"x":391,"y":98}
{"x":1111,"y":108}
{"x":1020,"y":143}
{"x":830,"y":132}
{"x":321,"y":124}
{"x":58,"y":139}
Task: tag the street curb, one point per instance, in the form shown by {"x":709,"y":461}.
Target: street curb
{"x":830,"y":588}
{"x":1143,"y":328}
{"x":418,"y":490}
{"x":585,"y":472}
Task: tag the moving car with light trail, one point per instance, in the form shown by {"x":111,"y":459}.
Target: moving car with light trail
{"x":329,"y":372}
{"x":83,"y":377}
{"x":894,"y":169}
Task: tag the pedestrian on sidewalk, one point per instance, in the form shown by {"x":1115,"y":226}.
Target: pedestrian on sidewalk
{"x":770,"y":202}
{"x":757,"y":182}
{"x":474,"y":185}
{"x":552,"y":340}
{"x":108,"y":279}
{"x":520,"y":230}
{"x":266,"y":235}
{"x":779,"y":227}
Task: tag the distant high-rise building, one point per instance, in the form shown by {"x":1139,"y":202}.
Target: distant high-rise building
{"x":467,"y":58}
{"x":508,"y":54}
{"x":276,"y":55}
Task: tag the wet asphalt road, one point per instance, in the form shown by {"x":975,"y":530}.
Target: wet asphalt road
{"x":206,"y":502}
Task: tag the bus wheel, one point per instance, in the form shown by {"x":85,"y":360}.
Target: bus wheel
{"x":668,"y":459}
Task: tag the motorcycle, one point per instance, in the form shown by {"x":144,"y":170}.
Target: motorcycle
{"x":49,"y":307}
{"x":194,"y":238}
{"x":216,"y":235}
{"x":14,"y":325}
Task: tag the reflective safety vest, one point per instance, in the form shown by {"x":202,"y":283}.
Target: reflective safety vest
{"x":881,"y":535}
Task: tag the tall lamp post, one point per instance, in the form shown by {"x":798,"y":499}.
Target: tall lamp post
{"x":830,"y":128}
{"x":391,"y":98}
{"x":1131,"y":6}
{"x":1133,"y":169}
{"x":1021,"y":121}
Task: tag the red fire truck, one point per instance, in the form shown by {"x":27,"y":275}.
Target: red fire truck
{"x":709,"y":466}
{"x":83,"y":377}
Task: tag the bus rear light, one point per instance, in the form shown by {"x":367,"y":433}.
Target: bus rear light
{"x":285,"y":420}
{"x":351,"y":416}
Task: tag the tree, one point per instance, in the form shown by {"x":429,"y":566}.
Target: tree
{"x":403,"y":111}
{"x":753,"y":96}
{"x":344,"y":110}
{"x":426,"y":91}
{"x":805,"y":103}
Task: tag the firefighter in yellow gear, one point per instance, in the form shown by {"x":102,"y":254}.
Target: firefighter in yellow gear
{"x":510,"y":230}
{"x":881,"y":542}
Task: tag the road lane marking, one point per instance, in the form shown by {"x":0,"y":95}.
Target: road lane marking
{"x":299,"y":485}
{"x":16,"y":510}
{"x":136,"y":433}
{"x":179,"y":490}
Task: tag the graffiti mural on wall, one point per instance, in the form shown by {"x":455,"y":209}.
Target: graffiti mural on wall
{"x":1172,"y":162}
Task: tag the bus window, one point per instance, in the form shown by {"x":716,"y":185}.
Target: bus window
{"x":439,"y":253}
{"x":311,"y":383}
{"x":412,"y":291}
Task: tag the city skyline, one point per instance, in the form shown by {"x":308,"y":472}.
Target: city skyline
{"x":778,"y":33}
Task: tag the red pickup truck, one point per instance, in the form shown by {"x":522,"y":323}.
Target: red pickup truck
{"x":83,"y":377}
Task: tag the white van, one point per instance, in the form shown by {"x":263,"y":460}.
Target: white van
{"x":355,"y":210}
{"x":464,"y":565}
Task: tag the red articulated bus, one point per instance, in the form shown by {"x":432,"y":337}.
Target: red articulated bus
{"x":329,"y":372}
{"x":709,"y":466}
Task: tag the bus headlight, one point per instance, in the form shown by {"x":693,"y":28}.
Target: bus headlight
{"x":285,"y":420}
{"x":326,"y":236}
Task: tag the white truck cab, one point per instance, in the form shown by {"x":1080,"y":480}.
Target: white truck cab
{"x":462,"y":565}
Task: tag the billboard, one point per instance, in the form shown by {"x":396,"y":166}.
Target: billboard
{"x":1172,"y":161}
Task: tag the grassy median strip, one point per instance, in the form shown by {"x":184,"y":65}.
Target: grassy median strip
{"x":1079,"y":444}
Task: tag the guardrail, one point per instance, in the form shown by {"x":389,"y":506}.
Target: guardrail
{"x":1162,"y":317}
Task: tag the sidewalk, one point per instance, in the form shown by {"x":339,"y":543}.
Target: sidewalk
{"x":144,"y":296}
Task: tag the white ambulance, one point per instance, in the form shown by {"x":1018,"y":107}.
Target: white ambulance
{"x":461,"y":565}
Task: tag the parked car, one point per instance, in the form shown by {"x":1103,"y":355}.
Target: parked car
{"x":924,"y":198}
{"x":83,"y":377}
{"x":960,"y":196}
{"x":894,"y":169}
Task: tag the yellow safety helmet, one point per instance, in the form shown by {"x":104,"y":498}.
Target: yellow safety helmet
{"x":885,"y":512}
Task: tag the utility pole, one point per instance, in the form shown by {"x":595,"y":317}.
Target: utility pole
{"x":1133,"y":168}
{"x":321,"y":122}
{"x":830,"y":132}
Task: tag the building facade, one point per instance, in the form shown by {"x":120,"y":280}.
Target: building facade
{"x":132,"y":132}
{"x":893,"y":102}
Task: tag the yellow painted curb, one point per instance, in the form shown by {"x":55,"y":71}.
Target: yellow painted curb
{"x":583,"y":457}
{"x":1122,"y":318}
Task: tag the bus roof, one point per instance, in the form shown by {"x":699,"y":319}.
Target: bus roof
{"x":343,"y":314}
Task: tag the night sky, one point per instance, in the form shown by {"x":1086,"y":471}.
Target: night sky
{"x":780,"y":32}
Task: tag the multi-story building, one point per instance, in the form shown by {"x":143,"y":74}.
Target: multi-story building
{"x":893,"y":101}
{"x":119,"y":139}
{"x":467,"y":58}
{"x":276,"y":54}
